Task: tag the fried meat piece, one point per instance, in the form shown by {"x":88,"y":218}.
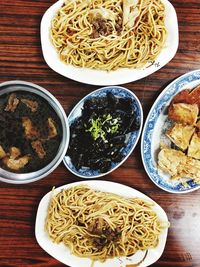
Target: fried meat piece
{"x":52,"y":128}
{"x":2,"y":152}
{"x":12,"y":104}
{"x":31,"y":131}
{"x":13,"y":160}
{"x":33,"y":105}
{"x":194,"y":147}
{"x":181,"y":135}
{"x":14,"y":152}
{"x":194,"y":96}
{"x":182,"y":97}
{"x":37,"y":146}
{"x":188,"y":96}
{"x":171,"y":161}
{"x":16,"y":164}
{"x":183,"y":113}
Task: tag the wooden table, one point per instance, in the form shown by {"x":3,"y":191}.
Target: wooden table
{"x":21,"y":59}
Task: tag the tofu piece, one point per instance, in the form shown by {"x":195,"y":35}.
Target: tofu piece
{"x":2,"y":152}
{"x":171,"y":161}
{"x":191,"y":170}
{"x":183,"y":113}
{"x":194,"y":147}
{"x":181,"y":135}
{"x":178,"y":165}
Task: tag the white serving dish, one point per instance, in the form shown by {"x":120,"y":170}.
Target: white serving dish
{"x":62,"y":253}
{"x":100,"y":77}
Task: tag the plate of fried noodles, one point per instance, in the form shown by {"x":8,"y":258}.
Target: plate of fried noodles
{"x":101,"y":224}
{"x":109,"y":42}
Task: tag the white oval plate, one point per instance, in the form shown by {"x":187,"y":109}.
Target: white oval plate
{"x":62,"y":253}
{"x":131,"y":141}
{"x":99,"y":77}
{"x":152,"y":132}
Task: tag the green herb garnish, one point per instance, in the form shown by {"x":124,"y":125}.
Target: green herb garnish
{"x":103,"y":125}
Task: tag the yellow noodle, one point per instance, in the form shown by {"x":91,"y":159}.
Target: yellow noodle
{"x":101,"y":225}
{"x":122,"y":46}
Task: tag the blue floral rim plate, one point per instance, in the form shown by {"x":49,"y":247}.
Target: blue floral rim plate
{"x":153,"y":129}
{"x":132,"y":138}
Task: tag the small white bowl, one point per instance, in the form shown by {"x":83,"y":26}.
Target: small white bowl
{"x":131,"y":141}
{"x":103,"y":77}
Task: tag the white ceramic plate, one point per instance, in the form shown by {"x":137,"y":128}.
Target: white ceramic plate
{"x":99,"y":77}
{"x":131,"y":140}
{"x":154,"y":129}
{"x":62,"y":253}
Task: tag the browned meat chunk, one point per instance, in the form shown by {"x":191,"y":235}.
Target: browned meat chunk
{"x":2,"y":152}
{"x":52,"y":128}
{"x":12,"y":104}
{"x":194,"y":95}
{"x":188,"y":96}
{"x":33,"y":105}
{"x":31,"y":131}
{"x":14,"y":152}
{"x":182,"y":97}
{"x":16,"y":164}
{"x":37,"y":146}
{"x":101,"y":26}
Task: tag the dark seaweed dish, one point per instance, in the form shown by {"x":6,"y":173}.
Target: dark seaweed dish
{"x":99,"y":135}
{"x":30,"y":132}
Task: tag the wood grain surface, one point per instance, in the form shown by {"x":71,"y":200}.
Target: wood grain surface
{"x":21,"y":59}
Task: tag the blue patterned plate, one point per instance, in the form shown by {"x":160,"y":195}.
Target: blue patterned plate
{"x":132,"y":137}
{"x":153,"y":131}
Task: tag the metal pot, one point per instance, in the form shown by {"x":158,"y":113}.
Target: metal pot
{"x":22,"y":178}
